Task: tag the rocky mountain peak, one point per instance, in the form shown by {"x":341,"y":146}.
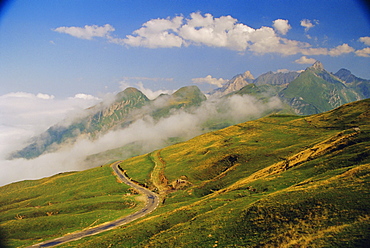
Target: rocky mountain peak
{"x":317,"y":66}
{"x":345,"y":75}
{"x":234,"y":84}
{"x":247,"y":75}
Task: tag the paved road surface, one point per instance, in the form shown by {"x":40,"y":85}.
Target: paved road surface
{"x":152,"y":202}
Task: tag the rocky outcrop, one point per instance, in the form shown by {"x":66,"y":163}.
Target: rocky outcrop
{"x":234,"y":84}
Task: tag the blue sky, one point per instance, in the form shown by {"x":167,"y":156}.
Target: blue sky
{"x":61,"y":48}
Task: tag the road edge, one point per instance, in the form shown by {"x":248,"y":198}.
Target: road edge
{"x":152,"y":202}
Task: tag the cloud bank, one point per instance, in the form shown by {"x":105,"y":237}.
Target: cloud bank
{"x":24,"y":115}
{"x":150,"y":134}
{"x":222,"y":32}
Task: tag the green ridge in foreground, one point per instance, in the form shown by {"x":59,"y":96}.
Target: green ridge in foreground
{"x":280,"y":181}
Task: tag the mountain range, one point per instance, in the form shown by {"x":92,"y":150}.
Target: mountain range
{"x":311,"y":91}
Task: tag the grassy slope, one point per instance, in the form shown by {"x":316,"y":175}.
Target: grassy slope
{"x":317,"y":95}
{"x":281,"y":181}
{"x":277,"y":181}
{"x":32,"y":211}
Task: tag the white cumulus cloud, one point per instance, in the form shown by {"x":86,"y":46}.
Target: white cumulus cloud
{"x":363,"y":52}
{"x":365,"y":40}
{"x":341,"y":49}
{"x":87,"y":32}
{"x":305,"y":60}
{"x":307,"y":24}
{"x":224,"y":31}
{"x":210,"y":80}
{"x":155,"y":33}
{"x":282,"y":26}
{"x":216,"y":32}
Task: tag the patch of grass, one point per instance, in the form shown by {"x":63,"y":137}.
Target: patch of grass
{"x":139,"y":168}
{"x":32,"y":211}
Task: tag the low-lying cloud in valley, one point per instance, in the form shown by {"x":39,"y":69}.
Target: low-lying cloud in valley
{"x":26,"y":117}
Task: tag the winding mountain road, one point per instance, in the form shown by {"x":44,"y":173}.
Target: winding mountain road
{"x":152,"y":202}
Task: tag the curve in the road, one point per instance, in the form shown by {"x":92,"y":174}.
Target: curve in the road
{"x":152,"y":202}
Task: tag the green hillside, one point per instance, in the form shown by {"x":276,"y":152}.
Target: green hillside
{"x":315,"y":91}
{"x":117,"y":113}
{"x":33,"y":211}
{"x":185,"y":97}
{"x":279,"y":181}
